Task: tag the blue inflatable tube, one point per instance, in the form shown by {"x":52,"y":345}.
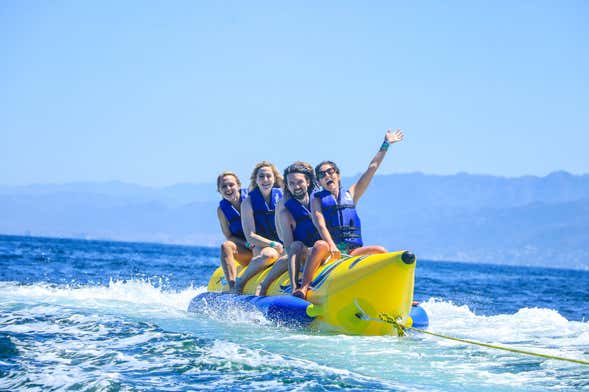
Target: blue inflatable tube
{"x":419,"y":317}
{"x":284,"y":309}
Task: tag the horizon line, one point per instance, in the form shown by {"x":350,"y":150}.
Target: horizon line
{"x":125,"y":182}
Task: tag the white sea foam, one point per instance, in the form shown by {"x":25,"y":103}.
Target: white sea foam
{"x":116,"y":294}
{"x":108,"y":340}
{"x":234,"y":353}
{"x":538,"y":330}
{"x":136,"y":340}
{"x":526,"y":322}
{"x":235,"y":315}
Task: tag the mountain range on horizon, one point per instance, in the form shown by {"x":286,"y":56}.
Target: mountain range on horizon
{"x":528,"y":220}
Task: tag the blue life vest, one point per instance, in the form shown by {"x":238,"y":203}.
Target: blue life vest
{"x":341,"y":218}
{"x":233,"y":216}
{"x":264,"y":213}
{"x":305,"y":231}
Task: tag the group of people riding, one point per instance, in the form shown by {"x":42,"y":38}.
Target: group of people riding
{"x":291,"y":225}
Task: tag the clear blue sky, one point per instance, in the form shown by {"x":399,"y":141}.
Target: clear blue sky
{"x":157,"y":93}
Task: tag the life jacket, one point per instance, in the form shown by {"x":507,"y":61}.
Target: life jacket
{"x":341,"y":218}
{"x":264,"y":213}
{"x":305,"y":230}
{"x":233,"y":216}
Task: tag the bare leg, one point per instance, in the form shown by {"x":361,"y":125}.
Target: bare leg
{"x":297,"y":253}
{"x":368,"y":250}
{"x":230,"y":252}
{"x":228,"y":248}
{"x":279,"y":267}
{"x":257,"y":264}
{"x":243,"y":255}
{"x":319,"y":253}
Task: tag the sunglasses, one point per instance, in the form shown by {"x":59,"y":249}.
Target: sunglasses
{"x":323,"y":173}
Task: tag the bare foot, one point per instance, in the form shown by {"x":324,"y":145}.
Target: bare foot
{"x":263,"y":290}
{"x":237,"y":289}
{"x":300,"y":293}
{"x":231,"y":284}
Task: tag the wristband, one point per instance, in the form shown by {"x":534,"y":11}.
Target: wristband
{"x":248,"y":245}
{"x":272,"y":243}
{"x":385,"y":146}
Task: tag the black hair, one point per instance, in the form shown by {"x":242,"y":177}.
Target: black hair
{"x":326,"y":163}
{"x":303,"y":168}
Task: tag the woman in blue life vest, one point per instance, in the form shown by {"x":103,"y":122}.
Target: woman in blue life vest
{"x":257,"y":218}
{"x":294,"y":224}
{"x":235,"y":248}
{"x":334,"y":213}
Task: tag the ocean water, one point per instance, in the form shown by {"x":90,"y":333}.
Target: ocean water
{"x":108,"y":316}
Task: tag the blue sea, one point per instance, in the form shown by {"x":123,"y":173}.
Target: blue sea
{"x":111,"y":316}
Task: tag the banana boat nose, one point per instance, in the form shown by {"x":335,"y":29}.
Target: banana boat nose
{"x":350,"y":294}
{"x":408,"y":257}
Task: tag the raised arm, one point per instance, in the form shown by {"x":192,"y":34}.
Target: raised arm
{"x":358,"y":189}
{"x":225,"y":228}
{"x":319,"y":222}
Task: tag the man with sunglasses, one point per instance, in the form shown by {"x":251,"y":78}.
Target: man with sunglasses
{"x":334,"y":211}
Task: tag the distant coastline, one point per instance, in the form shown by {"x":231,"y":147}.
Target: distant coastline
{"x":533,"y":221}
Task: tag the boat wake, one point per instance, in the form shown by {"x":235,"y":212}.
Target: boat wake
{"x":445,"y":316}
{"x":124,"y":324}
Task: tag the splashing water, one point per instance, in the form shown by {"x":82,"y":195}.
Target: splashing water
{"x":126,"y":328}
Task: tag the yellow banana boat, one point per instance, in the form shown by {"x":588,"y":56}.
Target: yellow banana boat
{"x":351,"y":295}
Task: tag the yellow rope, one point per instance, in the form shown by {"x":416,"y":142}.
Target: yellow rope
{"x":388,"y":319}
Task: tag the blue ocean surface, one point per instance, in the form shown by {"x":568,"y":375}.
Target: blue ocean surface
{"x":111,"y":316}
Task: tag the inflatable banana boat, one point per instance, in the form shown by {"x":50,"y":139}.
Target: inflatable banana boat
{"x":350,"y":295}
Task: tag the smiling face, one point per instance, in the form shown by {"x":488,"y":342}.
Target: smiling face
{"x":265,"y":179}
{"x":229,"y":188}
{"x":328,"y":178}
{"x":297,"y":184}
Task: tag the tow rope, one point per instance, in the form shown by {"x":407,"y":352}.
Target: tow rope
{"x":400,"y":327}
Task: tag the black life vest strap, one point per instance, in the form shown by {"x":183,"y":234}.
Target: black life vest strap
{"x":339,"y":206}
{"x":271,"y":212}
{"x":303,"y":218}
{"x":349,"y":229}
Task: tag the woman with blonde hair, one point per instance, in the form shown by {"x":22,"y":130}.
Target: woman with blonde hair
{"x":235,"y":248}
{"x":258,"y":222}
